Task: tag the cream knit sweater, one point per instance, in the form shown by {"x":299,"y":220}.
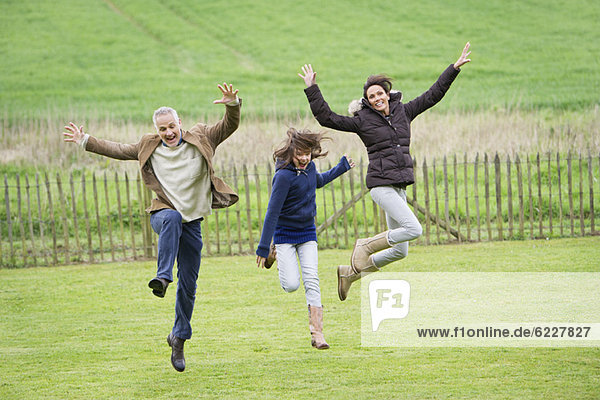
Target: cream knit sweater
{"x":183,"y":173}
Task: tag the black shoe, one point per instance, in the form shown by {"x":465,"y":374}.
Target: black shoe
{"x":159,"y":286}
{"x":177,"y":358}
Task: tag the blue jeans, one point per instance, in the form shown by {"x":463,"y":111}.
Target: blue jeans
{"x":181,"y":241}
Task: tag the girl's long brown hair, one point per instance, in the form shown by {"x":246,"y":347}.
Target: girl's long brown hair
{"x":300,"y":140}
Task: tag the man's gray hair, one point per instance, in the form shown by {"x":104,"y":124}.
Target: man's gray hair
{"x":163,"y":111}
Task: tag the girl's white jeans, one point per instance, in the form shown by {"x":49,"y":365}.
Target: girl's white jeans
{"x":288,"y":256}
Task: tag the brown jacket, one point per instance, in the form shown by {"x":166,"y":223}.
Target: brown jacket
{"x":205,"y":138}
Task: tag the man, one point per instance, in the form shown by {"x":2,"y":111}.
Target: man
{"x":177,"y":166}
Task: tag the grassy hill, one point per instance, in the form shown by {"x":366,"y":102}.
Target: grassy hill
{"x":124,"y":58}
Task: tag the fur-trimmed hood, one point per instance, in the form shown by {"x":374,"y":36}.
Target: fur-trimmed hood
{"x":358,"y":104}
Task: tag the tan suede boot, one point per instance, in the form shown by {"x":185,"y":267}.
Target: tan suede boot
{"x":315,"y":318}
{"x":364,"y":248}
{"x":347,"y":275}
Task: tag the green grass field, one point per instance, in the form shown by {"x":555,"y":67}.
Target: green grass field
{"x":95,"y":331}
{"x":124,"y":58}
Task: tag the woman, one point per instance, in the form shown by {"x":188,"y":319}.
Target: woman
{"x":382,"y":122}
{"x":290,"y":220}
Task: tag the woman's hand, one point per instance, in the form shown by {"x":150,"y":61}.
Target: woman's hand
{"x":462,"y":60}
{"x":75,"y":133}
{"x":228,"y":94}
{"x":310,"y":77}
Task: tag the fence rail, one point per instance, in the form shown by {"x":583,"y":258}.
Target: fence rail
{"x":86,"y":217}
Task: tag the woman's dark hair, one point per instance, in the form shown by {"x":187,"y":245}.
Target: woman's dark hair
{"x":300,"y":140}
{"x":382,"y":80}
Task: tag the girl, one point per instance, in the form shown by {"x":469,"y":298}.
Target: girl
{"x":290,"y":220}
{"x":382,"y":122}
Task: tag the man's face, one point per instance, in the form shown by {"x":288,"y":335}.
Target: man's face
{"x":302,"y":158}
{"x":169,"y":129}
{"x":379,"y":99}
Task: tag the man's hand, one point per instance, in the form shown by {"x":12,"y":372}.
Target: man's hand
{"x":228,"y":94}
{"x":260,"y":262}
{"x":75,"y":133}
{"x":462,"y":60}
{"x":310,"y":77}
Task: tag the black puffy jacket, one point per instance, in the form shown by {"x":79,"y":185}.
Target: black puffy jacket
{"x":387,"y":142}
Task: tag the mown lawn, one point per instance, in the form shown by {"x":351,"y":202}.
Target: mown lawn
{"x":95,"y":331}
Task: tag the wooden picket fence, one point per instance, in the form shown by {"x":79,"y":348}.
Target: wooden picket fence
{"x":88,"y":217}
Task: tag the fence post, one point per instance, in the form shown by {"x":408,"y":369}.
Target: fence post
{"x":550,"y":192}
{"x":355,"y":222}
{"x":130,"y":214}
{"x":325,"y":231}
{"x":530,"y":198}
{"x":238,"y":211}
{"x":248,"y":210}
{"x":52,"y":220}
{"x":520,"y":188}
{"x":87,"y":220}
{"x":118,"y":189}
{"x":75,"y":221}
{"x":427,"y":213}
{"x":591,"y":184}
{"x":581,"y":210}
{"x":40,"y":218}
{"x":335,"y":228}
{"x":31,"y":235}
{"x":570,"y":187}
{"x":468,"y":217}
{"x":457,"y":212}
{"x":487,"y":196}
{"x":147,"y":194}
{"x":112,"y":247}
{"x":497,"y":176}
{"x":509,"y":195}
{"x":560,"y":206}
{"x":345,"y":217}
{"x":258,"y":200}
{"x":364,"y":204}
{"x":476,"y":191}
{"x":21,"y":226}
{"x":63,"y":208}
{"x":446,"y":198}
{"x":97,"y":209}
{"x":217,"y":231}
{"x":540,"y":202}
{"x":228,"y":229}
{"x":142,"y":214}
{"x":437,"y":208}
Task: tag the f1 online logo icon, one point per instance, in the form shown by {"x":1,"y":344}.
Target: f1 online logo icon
{"x":389,"y":299}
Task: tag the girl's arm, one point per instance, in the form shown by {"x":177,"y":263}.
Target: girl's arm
{"x":320,"y":108}
{"x":279,"y":193}
{"x":344,"y":165}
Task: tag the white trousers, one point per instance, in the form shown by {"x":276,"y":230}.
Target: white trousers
{"x":403,"y":224}
{"x":288,"y":256}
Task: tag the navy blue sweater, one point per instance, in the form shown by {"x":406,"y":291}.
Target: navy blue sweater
{"x":292,"y":206}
